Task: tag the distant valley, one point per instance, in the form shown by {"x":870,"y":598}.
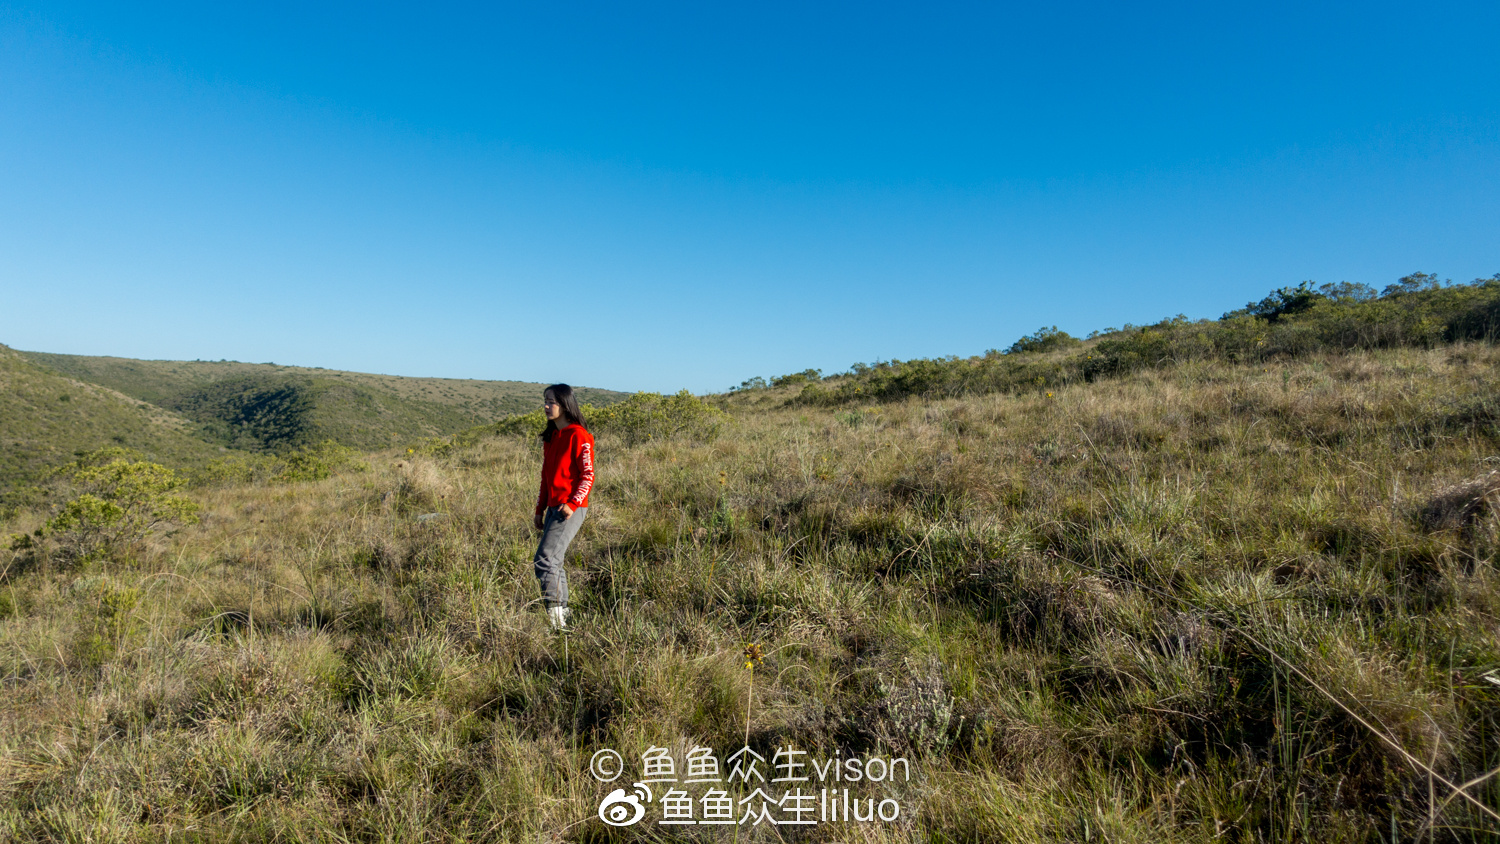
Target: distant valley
{"x":53,"y":406}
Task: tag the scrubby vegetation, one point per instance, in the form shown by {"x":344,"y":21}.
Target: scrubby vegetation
{"x":1417,"y":311}
{"x":47,"y":420}
{"x":1222,"y":597}
{"x":1047,"y":339}
{"x":120,"y":502}
{"x":643,"y":417}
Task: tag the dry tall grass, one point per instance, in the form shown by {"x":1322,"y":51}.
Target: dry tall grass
{"x":1207,"y":603}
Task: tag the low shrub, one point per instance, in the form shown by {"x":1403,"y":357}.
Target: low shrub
{"x":233,"y":469}
{"x":1044,"y":340}
{"x":520,"y":425}
{"x":119,"y":504}
{"x":1289,"y":323}
{"x":806,"y":376}
{"x":652,"y":416}
{"x":314,"y":463}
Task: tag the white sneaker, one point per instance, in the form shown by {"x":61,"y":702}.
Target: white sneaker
{"x":558,"y":618}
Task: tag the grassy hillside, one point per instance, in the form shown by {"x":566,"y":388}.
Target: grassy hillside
{"x":46,"y":419}
{"x":283,"y":412}
{"x":1200,"y":601}
{"x":1416,"y":311}
{"x":266,"y":406}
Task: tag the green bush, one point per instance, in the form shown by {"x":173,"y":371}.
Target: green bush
{"x":1171,"y":341}
{"x":943,"y":377}
{"x":527,"y":424}
{"x":233,"y":469}
{"x":119,"y":505}
{"x":653,"y":416}
{"x":1290,"y":322}
{"x":1281,"y":303}
{"x":1044,"y":340}
{"x":432,"y":447}
{"x":803,"y":377}
{"x":314,"y":463}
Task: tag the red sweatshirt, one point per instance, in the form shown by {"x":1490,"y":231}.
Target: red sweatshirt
{"x":567,"y":469}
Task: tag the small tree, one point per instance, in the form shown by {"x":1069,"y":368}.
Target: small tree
{"x":652,"y":416}
{"x":1348,"y":292}
{"x":1414,"y":283}
{"x":803,"y":377}
{"x":121,"y":503}
{"x":1044,"y":340}
{"x":315,"y":462}
{"x":1281,"y":303}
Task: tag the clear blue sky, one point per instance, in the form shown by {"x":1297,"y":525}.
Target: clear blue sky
{"x":659,"y":196}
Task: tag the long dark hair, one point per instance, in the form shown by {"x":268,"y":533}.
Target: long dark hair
{"x":564,"y":396}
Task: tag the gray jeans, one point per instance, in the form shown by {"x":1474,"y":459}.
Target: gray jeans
{"x":557,"y":533}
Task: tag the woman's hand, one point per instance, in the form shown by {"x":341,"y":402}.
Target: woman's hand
{"x":537,"y":521}
{"x":567,"y":511}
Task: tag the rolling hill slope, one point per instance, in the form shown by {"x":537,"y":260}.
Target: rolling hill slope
{"x":1190,"y":582}
{"x":268,"y":407}
{"x":1200,"y":602}
{"x":158,"y":381}
{"x":47,"y":418}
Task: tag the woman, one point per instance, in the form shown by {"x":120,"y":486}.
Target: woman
{"x":567,"y":477}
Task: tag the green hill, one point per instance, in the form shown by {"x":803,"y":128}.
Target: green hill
{"x":264,"y":406}
{"x":280,"y":412}
{"x":1227,"y":581}
{"x":47,"y":418}
{"x":1417,"y":311}
{"x":160,"y":381}
{"x":1194,"y":603}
